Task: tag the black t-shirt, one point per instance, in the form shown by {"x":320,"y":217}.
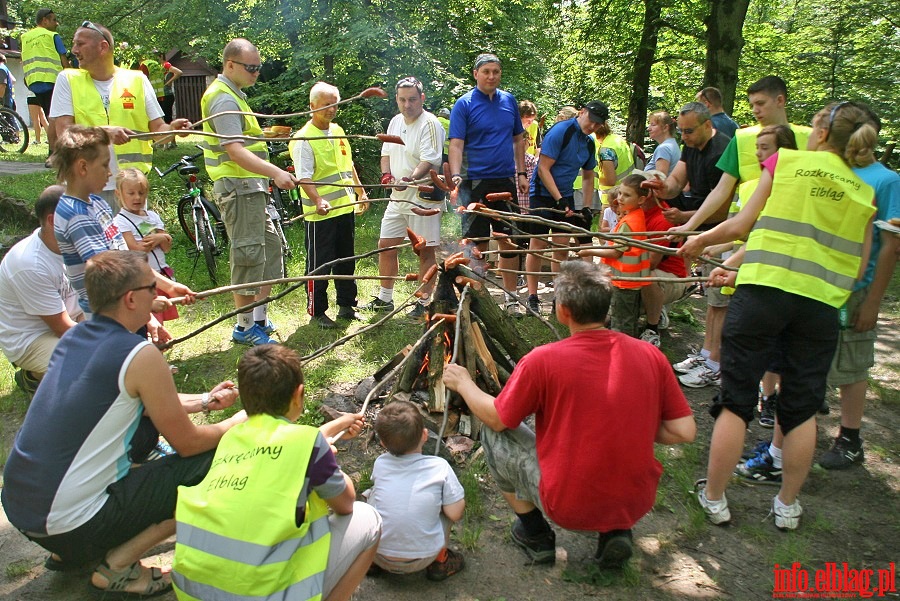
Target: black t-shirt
{"x":702,"y":173}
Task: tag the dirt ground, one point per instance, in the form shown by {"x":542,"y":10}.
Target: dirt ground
{"x":850,"y":516}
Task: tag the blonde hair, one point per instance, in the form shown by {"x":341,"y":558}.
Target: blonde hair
{"x":132,"y":175}
{"x":612,"y":195}
{"x":851,"y":132}
{"x":566,"y":113}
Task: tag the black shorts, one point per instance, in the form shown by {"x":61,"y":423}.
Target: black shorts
{"x":537,"y":204}
{"x":146,"y":496}
{"x":43,"y":99}
{"x":479,"y":226}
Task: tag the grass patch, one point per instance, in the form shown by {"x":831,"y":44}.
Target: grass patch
{"x":470,"y":533}
{"x":17,"y":569}
{"x":794,"y":547}
{"x":675,"y":494}
{"x":471,"y":479}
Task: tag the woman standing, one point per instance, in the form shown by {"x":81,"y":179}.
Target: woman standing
{"x":661,"y":126}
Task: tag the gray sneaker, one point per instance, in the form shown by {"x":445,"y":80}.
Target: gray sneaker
{"x":700,"y":377}
{"x":786,"y":517}
{"x":652,"y":337}
{"x":716,"y":511}
{"x":694,"y":360}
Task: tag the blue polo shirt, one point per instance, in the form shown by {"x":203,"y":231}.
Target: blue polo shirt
{"x":576,"y":155}
{"x":487,"y":128}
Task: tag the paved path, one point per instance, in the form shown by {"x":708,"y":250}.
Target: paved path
{"x":14,"y":168}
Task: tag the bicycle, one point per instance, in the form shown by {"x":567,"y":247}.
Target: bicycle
{"x":199,"y":218}
{"x":13,"y":131}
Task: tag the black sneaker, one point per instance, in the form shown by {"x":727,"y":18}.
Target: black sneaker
{"x":767,"y":412}
{"x":418,"y":311}
{"x":376,"y":305}
{"x":762,"y":445}
{"x":349,"y":313}
{"x":540,"y":548}
{"x":447,"y":564}
{"x":842,"y":454}
{"x":534,"y":303}
{"x":324,"y":322}
{"x":26,"y":381}
{"x":614,"y":549}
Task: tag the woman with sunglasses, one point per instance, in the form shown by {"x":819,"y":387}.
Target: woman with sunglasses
{"x":811,"y":231}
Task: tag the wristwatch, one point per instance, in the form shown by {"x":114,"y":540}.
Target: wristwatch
{"x":204,"y":403}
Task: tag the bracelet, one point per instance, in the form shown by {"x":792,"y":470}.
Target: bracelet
{"x":456,"y":175}
{"x":204,"y":403}
{"x":522,"y":173}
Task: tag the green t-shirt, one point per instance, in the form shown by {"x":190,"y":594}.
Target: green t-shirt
{"x":728,"y":162}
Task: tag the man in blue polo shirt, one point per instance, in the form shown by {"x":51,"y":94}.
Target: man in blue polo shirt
{"x":568,"y":150}
{"x":487,"y":155}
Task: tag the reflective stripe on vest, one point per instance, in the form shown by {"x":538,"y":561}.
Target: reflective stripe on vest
{"x":40,"y":60}
{"x":259,"y":468}
{"x":156,"y":76}
{"x":634,"y":262}
{"x":334,"y":165}
{"x":126,"y":109}
{"x":218,"y":164}
{"x":809,"y":237}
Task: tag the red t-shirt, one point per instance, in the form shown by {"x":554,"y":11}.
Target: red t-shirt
{"x":657,"y":222}
{"x":598,"y":398}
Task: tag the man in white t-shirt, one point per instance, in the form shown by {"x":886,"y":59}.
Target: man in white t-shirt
{"x":118,"y":106}
{"x":39,"y":304}
{"x":421,"y":151}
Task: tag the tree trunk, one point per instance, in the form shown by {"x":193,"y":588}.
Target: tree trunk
{"x":640,"y":82}
{"x":724,"y":41}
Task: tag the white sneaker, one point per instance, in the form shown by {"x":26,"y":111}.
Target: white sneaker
{"x":693,"y":361}
{"x":700,"y":377}
{"x":664,"y":318}
{"x":651,"y":337}
{"x":787,"y":517}
{"x":513,"y":309}
{"x":716,"y":511}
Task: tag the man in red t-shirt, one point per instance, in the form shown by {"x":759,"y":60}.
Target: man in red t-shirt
{"x":601,"y":407}
{"x":656,"y":295}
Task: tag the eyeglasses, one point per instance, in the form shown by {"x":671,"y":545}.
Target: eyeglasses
{"x":148,"y":288}
{"x":410,"y":82}
{"x":686,"y":130}
{"x":89,"y":25}
{"x":248,"y":68}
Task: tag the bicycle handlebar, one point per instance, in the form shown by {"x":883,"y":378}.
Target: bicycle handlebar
{"x":185,"y":160}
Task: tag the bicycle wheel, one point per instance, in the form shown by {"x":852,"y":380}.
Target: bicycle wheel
{"x":13,"y":132}
{"x":186,"y":217}
{"x":207,"y":245}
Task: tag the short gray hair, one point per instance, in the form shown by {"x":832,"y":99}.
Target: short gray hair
{"x":698,"y":108}
{"x":585,"y":290}
{"x":320,"y":89}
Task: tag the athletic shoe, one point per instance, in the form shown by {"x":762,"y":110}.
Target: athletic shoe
{"x":786,"y":517}
{"x":761,"y":446}
{"x":534,"y":303}
{"x":664,"y":318}
{"x":269,"y":328}
{"x":26,"y":381}
{"x":513,"y":309}
{"x":759,"y":469}
{"x":324,"y":322}
{"x":349,"y":313}
{"x":716,"y":511}
{"x":842,"y":454}
{"x":700,"y":377}
{"x":694,"y":360}
{"x":376,"y":305}
{"x":614,"y":549}
{"x":540,"y":548}
{"x":652,"y":337}
{"x":419,"y":311}
{"x":824,"y":409}
{"x":767,"y":411}
{"x":447,"y":564}
{"x":254,"y":335}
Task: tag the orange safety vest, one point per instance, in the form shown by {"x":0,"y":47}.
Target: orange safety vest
{"x":634,"y":262}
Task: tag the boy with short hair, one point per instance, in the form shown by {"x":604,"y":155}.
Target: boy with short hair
{"x":418,"y":497}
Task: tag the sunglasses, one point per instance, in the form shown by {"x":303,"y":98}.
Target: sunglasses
{"x":249,"y":68}
{"x":89,"y":25}
{"x":686,"y":130}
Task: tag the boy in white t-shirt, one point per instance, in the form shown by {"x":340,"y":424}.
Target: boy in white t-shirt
{"x":418,"y":497}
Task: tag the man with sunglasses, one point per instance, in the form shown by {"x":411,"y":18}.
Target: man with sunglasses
{"x":69,"y":483}
{"x":240,"y":170}
{"x":421,"y":151}
{"x":121,"y":101}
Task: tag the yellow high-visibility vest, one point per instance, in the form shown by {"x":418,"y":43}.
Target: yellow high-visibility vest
{"x":334,"y":165}
{"x":40,"y":60}
{"x":218,"y":164}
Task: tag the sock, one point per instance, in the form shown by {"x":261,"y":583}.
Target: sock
{"x":653,"y":327}
{"x":851,"y":434}
{"x":260,"y":315}
{"x":713,"y":365}
{"x":781,"y":504}
{"x":534,"y":522}
{"x":245,"y":320}
{"x":704,"y":353}
{"x":386,"y":294}
{"x":775,"y":452}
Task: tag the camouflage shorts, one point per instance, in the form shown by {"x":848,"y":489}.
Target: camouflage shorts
{"x":512,"y":459}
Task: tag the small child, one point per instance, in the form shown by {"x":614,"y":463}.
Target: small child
{"x":143,"y":229}
{"x":418,"y":497}
{"x":625,"y":309}
{"x":611,"y":212}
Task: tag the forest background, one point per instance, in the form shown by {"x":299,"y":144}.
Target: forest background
{"x":636,"y":56}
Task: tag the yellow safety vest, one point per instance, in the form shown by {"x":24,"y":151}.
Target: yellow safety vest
{"x":334,"y":165}
{"x":156,"y":76}
{"x":218,"y":165}
{"x":809,"y":238}
{"x":445,"y":123}
{"x":40,"y":60}
{"x":625,"y":161}
{"x":126,"y":109}
{"x":748,"y":165}
{"x":237,"y":537}
{"x":532,"y":131}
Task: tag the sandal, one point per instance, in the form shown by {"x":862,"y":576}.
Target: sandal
{"x":117,"y":581}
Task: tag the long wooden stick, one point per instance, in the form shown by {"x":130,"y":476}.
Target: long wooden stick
{"x":616,"y":278}
{"x":446,"y":417}
{"x":291,"y":280}
{"x":241,"y":137}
